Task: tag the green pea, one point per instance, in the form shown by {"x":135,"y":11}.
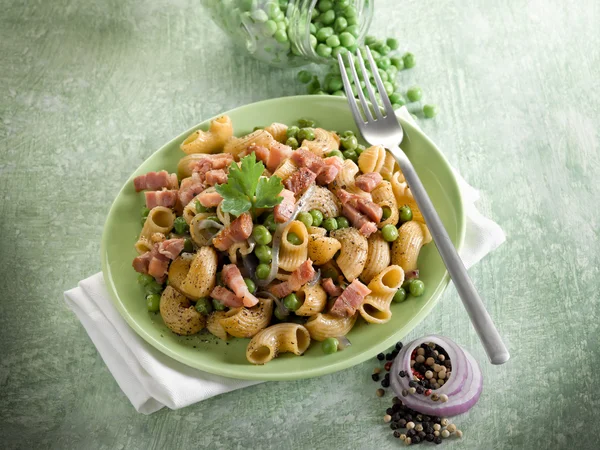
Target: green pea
{"x":351,"y":154}
{"x":330,"y":345}
{"x":217,"y":305}
{"x":339,"y":51}
{"x":399,"y":296}
{"x":145,"y":212}
{"x":429,"y":111}
{"x":352,"y":21}
{"x":349,"y":142}
{"x":339,"y":93}
{"x":180,"y":225}
{"x":145,"y":279}
{"x":350,"y":11}
{"x":389,"y":233}
{"x":304,"y":76}
{"x":269,"y":28}
{"x":384,"y":62}
{"x":370,"y":40}
{"x":317,"y":217}
{"x":261,"y":235}
{"x":353,"y":30}
{"x":327,"y":18}
{"x":263,"y":253}
{"x":340,"y":24}
{"x":292,"y":142}
{"x":324,"y":33}
{"x":200,"y":208}
{"x":153,"y":302}
{"x":314,"y":85}
{"x":325,"y":5}
{"x":306,"y":123}
{"x":395,"y":97}
{"x":318,"y":26}
{"x":248,"y":5}
{"x":188,"y":245}
{"x":314,"y":14}
{"x":258,"y":15}
{"x":383,"y":75}
{"x":335,"y":153}
{"x":336,"y":83}
{"x":416,"y":287}
{"x":347,"y":133}
{"x":291,"y":302}
{"x":250,"y":285}
{"x":281,"y":25}
{"x":397,"y":62}
{"x":342,"y":4}
{"x":342,"y":222}
{"x":153,"y":288}
{"x":204,"y":306}
{"x":281,"y":314}
{"x":306,"y":219}
{"x":376,"y":55}
{"x":333,"y":41}
{"x":306,"y":134}
{"x":270,"y":223}
{"x":294,"y":239}
{"x":312,"y":28}
{"x":330,"y":224}
{"x":406,"y":214}
{"x":359,"y":149}
{"x":409,"y":60}
{"x":313,"y":41}
{"x":347,"y":40}
{"x":392,"y":43}
{"x":280,"y":36}
{"x":263,"y":271}
{"x":414,"y":94}
{"x":386,"y":213}
{"x":324,"y":50}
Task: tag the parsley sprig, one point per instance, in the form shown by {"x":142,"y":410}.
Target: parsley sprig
{"x":245,"y":189}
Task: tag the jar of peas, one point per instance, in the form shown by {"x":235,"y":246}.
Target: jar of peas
{"x":292,"y":33}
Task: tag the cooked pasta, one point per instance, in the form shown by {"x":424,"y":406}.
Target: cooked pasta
{"x":372,"y":159}
{"x":353,"y":252}
{"x":179,"y":314}
{"x":405,"y":197}
{"x":246,"y":322}
{"x":322,"y":326}
{"x":159,"y":220}
{"x":376,"y":307}
{"x":213,"y":325}
{"x":243,"y":248}
{"x":235,"y":146}
{"x":313,"y":298}
{"x":276,"y":339}
{"x":389,"y":166}
{"x":200,"y":279}
{"x":278,"y":131}
{"x":405,"y":250}
{"x":324,"y":142}
{"x":210,"y":141}
{"x":322,"y":249}
{"x":323,"y":200}
{"x":346,"y":179}
{"x":286,"y":170}
{"x":201,"y":236}
{"x":378,"y":257}
{"x":292,"y":255}
{"x":383,"y":195}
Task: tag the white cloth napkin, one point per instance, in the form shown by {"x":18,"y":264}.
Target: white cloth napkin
{"x":152,"y":380}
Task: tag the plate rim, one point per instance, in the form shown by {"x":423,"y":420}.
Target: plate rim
{"x":236,"y":373}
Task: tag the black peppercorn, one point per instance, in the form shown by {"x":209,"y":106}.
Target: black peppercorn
{"x":375,"y":377}
{"x":408,"y":417}
{"x":402,"y":423}
{"x":436,"y":419}
{"x":419,"y":390}
{"x":437,"y":440}
{"x":416,"y":440}
{"x":389,"y":357}
{"x":396,"y":417}
{"x":381,"y":357}
{"x":412,"y":383}
{"x":389,"y":411}
{"x":448,"y":364}
{"x":410,"y":433}
{"x":398,"y":346}
{"x":397,"y":407}
{"x":394,"y":426}
{"x":396,"y":400}
{"x":385,"y":383}
{"x":429,"y":437}
{"x":402,"y":373}
{"x":397,"y":434}
{"x":422,"y":434}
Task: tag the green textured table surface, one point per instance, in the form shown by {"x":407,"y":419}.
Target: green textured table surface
{"x":89,"y":89}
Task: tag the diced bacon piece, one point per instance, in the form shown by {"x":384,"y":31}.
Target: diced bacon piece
{"x":209,"y":199}
{"x":217,"y":176}
{"x":334,"y":161}
{"x":239,"y":230}
{"x":158,"y":267}
{"x":232,"y":277}
{"x":302,"y":275}
{"x":190,"y":187}
{"x":372,"y":210}
{"x":327,"y":174}
{"x":300,"y":180}
{"x":368,"y":181}
{"x":154,"y":181}
{"x":213,"y":162}
{"x":283,"y":212}
{"x":278,"y":154}
{"x":226,"y":297}
{"x":262,"y":153}
{"x":305,"y":158}
{"x":359,"y":221}
{"x":141,"y":263}
{"x":331,"y":289}
{"x":160,"y":198}
{"x":352,"y":297}
{"x":171,"y":248}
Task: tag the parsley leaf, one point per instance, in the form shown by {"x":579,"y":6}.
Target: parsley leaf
{"x":245,"y":189}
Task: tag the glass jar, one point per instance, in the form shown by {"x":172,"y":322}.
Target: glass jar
{"x":292,"y":33}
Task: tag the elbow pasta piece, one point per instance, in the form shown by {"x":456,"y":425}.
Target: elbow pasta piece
{"x":405,"y":197}
{"x":246,"y":322}
{"x":317,"y":231}
{"x":378,"y":257}
{"x":353,"y":253}
{"x":314,"y":300}
{"x":389,"y":166}
{"x":322,"y":249}
{"x":201,"y":276}
{"x":376,"y":307}
{"x":157,"y":238}
{"x":189,"y":212}
{"x":244,"y":248}
{"x":179,"y":269}
{"x":286,"y":170}
{"x":276,"y":339}
{"x":179,"y":314}
{"x":324,"y":142}
{"x":292,"y":255}
{"x":325,"y":201}
{"x":159,"y":220}
{"x":322,"y":326}
{"x":405,"y":250}
{"x":345,"y":179}
{"x":213,"y":325}
{"x":235,"y":145}
{"x":372,"y":159}
{"x":383,"y":195}
{"x":211,"y":141}
{"x":278,"y":131}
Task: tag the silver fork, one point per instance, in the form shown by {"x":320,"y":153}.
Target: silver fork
{"x":380,"y":129}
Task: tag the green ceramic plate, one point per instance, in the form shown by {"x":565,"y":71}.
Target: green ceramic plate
{"x":207,"y":353}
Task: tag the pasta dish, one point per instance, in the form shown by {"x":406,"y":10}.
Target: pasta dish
{"x":286,"y":235}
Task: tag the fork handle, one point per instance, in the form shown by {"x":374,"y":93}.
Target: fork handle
{"x":481,"y":320}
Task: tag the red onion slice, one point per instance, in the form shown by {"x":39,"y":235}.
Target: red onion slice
{"x":343,"y":342}
{"x":463,"y":388}
{"x":315,"y":279}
